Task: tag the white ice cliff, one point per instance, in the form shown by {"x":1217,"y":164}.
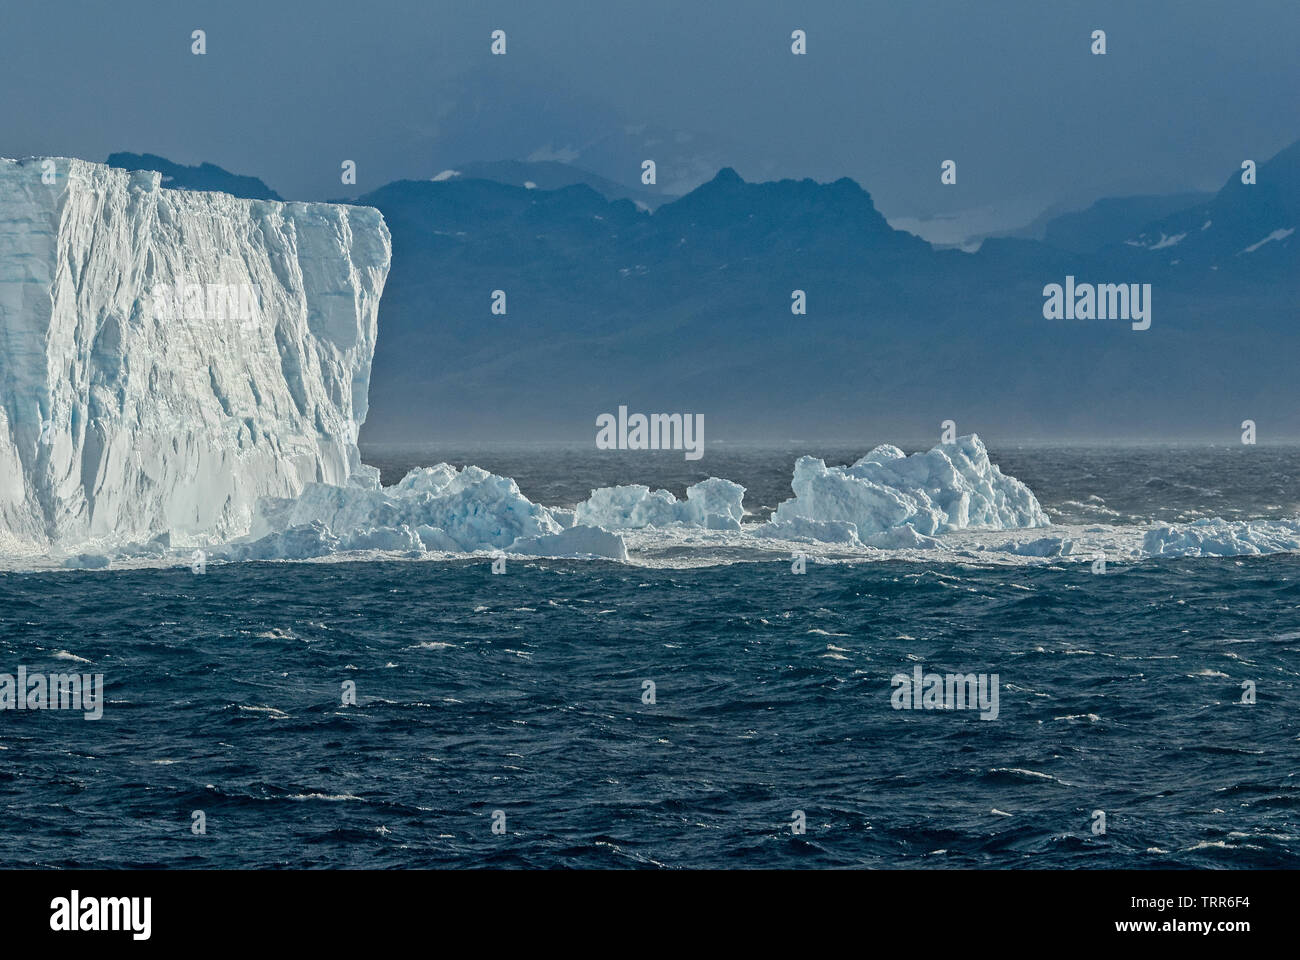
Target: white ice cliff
{"x":122,"y":419}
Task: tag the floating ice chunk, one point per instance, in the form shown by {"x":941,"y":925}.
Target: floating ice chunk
{"x":953,"y":487}
{"x":432,"y":508}
{"x":1042,"y":547}
{"x":339,"y":508}
{"x":1216,"y":537}
{"x":720,"y":521}
{"x":627,"y":506}
{"x":396,"y":538}
{"x":1271,"y":238}
{"x":714,"y":503}
{"x":297,"y":543}
{"x":902,"y":538}
{"x":87,"y":561}
{"x":565,"y":518}
{"x":434,"y":538}
{"x":444,"y":509}
{"x":579,"y":541}
{"x":715,"y":497}
{"x":801,"y":528}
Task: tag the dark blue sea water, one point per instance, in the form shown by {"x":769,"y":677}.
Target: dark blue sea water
{"x":523,"y":693}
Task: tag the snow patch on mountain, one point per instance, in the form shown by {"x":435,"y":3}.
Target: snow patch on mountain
{"x":1168,"y":241}
{"x":1273,"y":237}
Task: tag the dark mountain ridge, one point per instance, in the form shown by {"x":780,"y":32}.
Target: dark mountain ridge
{"x":688,"y":309}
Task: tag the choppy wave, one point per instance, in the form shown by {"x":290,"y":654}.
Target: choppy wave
{"x":524,"y":693}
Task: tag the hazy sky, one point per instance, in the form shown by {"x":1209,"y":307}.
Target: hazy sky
{"x":290,"y":88}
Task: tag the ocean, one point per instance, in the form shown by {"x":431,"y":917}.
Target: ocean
{"x":724,"y":713}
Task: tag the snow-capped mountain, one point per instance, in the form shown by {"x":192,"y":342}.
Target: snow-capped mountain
{"x":1245,"y":226}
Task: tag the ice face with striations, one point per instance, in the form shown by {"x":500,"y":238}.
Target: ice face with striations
{"x":120,"y":420}
{"x":887,"y":495}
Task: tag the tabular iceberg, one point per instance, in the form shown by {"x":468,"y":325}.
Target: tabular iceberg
{"x":119,"y":420}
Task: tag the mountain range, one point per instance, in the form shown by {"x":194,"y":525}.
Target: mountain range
{"x":686,"y":307}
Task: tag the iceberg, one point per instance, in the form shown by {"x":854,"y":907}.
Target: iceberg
{"x":1216,"y":537}
{"x":801,"y":528}
{"x":843,"y":532}
{"x":125,"y":415}
{"x":437,"y":508}
{"x":298,"y":543}
{"x":885,"y":501}
{"x":952,"y":487}
{"x":1041,"y":547}
{"x":579,"y":541}
{"x":307,"y":541}
{"x":714,"y":504}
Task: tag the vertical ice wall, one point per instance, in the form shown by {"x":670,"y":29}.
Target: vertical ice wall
{"x":120,"y":418}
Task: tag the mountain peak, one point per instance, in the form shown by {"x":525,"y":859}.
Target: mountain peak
{"x":727,"y":176}
{"x":205,"y":177}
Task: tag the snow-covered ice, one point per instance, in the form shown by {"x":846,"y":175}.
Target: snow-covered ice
{"x":715,"y":504}
{"x":952,"y":487}
{"x":1216,"y":537}
{"x":449,"y":509}
{"x":440,"y":509}
{"x":117,"y":422}
{"x":579,"y":541}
